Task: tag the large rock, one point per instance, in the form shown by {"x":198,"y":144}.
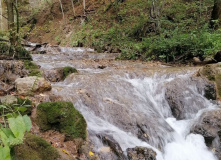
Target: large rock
{"x":9,"y":99}
{"x":11,"y":70}
{"x":58,"y":74}
{"x":213,"y":73}
{"x":54,"y":75}
{"x":141,"y":153}
{"x":30,"y":85}
{"x":209,"y":126}
{"x":181,"y":96}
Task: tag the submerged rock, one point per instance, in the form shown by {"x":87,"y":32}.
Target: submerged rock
{"x":30,"y":85}
{"x":141,"y":153}
{"x":209,"y":126}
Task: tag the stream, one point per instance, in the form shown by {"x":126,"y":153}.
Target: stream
{"x":127,"y":100}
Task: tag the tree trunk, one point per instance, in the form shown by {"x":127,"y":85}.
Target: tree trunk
{"x":216,"y":13}
{"x":11,"y":23}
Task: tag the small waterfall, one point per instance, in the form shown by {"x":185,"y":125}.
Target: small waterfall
{"x":128,"y":103}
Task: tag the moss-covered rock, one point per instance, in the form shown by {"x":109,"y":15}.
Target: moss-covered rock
{"x":35,"y":148}
{"x":32,"y":68}
{"x":213,"y":73}
{"x":61,"y":116}
{"x":68,"y":70}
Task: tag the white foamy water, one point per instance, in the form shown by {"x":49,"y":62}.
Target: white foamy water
{"x":118,"y":105}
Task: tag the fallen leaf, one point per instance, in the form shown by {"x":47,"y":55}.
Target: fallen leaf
{"x":65,"y":151}
{"x":91,"y":153}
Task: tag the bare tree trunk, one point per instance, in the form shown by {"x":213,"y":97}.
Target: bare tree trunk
{"x":11,"y":23}
{"x":72,"y":3}
{"x":84,"y":5}
{"x":216,"y":14}
{"x":62,"y":9}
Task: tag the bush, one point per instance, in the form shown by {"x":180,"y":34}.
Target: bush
{"x":61,"y":116}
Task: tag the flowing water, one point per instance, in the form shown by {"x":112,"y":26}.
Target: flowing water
{"x":126,"y":100}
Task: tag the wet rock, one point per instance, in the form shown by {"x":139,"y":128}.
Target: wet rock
{"x":9,"y":99}
{"x":180,"y":96}
{"x":210,"y":91}
{"x":213,"y":73}
{"x":209,"y":126}
{"x":11,"y":70}
{"x":30,"y":85}
{"x":58,"y":74}
{"x":115,"y":147}
{"x":141,"y":153}
{"x":54,"y":75}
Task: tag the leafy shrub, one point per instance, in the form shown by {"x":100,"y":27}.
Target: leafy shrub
{"x":13,"y":131}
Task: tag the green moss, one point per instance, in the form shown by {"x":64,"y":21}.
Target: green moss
{"x":208,"y":72}
{"x":218,"y":84}
{"x":35,"y":148}
{"x":68,"y":70}
{"x":35,"y":72}
{"x":30,"y":65}
{"x":33,"y":68}
{"x":61,"y":116}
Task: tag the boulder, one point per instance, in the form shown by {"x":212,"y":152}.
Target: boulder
{"x":54,"y":75}
{"x":58,"y":74}
{"x":11,"y":70}
{"x":141,"y":153}
{"x":213,"y":73}
{"x":9,"y":99}
{"x":209,"y":126}
{"x":30,"y":85}
{"x":181,"y":97}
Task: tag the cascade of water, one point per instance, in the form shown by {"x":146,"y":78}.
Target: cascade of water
{"x":121,"y":103}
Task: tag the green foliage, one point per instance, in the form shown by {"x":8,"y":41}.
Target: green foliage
{"x":178,"y":33}
{"x":68,"y":70}
{"x":35,"y":148}
{"x":61,"y":116}
{"x":13,"y":131}
{"x":24,"y":106}
{"x":18,"y":52}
